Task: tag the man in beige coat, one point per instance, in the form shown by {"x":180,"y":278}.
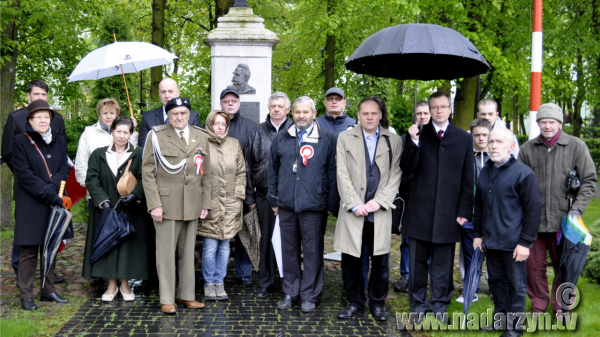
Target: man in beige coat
{"x":176,"y":158}
{"x":368,"y":177}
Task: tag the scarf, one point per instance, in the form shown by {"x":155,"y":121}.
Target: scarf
{"x":48,"y":136}
{"x":104,"y":126}
{"x":552,"y":141}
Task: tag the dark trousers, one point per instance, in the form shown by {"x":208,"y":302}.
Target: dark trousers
{"x":27,"y":268}
{"x":353,"y":276}
{"x":466,"y":242}
{"x":16,"y":252}
{"x":266,"y":274}
{"x":442,"y":287}
{"x":306,"y":229}
{"x":537,"y":279}
{"x":507,"y":280}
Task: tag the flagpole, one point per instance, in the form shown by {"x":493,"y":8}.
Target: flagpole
{"x":125,"y":81}
{"x":535,"y":99}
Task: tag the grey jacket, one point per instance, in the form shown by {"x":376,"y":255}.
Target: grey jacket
{"x":552,"y":167}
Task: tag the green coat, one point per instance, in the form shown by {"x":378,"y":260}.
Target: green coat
{"x":129,"y":260}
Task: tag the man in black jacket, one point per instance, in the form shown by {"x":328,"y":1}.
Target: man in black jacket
{"x":239,"y":128}
{"x":16,"y":124}
{"x":257,"y":153}
{"x":508,"y":208}
{"x":303,"y":190}
{"x":441,"y":159}
{"x":167,"y":89}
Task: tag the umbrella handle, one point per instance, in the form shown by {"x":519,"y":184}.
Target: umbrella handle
{"x":125,"y":81}
{"x":117,"y":204}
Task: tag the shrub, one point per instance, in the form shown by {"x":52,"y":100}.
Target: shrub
{"x":592,"y":264}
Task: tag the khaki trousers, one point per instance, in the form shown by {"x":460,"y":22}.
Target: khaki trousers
{"x":174,"y":235}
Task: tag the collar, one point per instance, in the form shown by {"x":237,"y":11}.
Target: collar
{"x":234,"y":117}
{"x":164,"y":113}
{"x":308,"y":131}
{"x":437,"y":128}
{"x":480,"y":153}
{"x":280,"y":124}
{"x":552,"y":141}
{"x":292,"y":130}
{"x":185,"y":130}
{"x":339,"y":117}
{"x":504,"y":163}
{"x":367,"y":136}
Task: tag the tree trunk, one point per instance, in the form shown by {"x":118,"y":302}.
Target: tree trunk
{"x":515,"y":111}
{"x":7,"y":96}
{"x":577,"y":121}
{"x":522,"y":123}
{"x":464,"y":102}
{"x":158,"y":38}
{"x":221,"y":8}
{"x":329,"y":61}
{"x":446,"y":87}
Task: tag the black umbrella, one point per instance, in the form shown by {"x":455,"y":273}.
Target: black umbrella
{"x":417,"y":52}
{"x":472,"y":279}
{"x":112,"y":230}
{"x":58,"y":224}
{"x":572,"y":248}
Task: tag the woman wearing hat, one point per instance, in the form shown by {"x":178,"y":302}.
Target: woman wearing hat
{"x":224,"y":221}
{"x":40,"y":164}
{"x":106,"y":166}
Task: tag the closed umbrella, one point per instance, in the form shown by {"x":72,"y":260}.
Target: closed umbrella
{"x":112,"y":230}
{"x":472,"y":279}
{"x":250,"y":236}
{"x":574,"y":245}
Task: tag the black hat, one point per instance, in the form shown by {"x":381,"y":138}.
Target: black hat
{"x":178,"y":102}
{"x":39,"y":105}
{"x":229,"y":90}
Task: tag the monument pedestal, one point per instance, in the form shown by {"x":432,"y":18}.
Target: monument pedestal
{"x":241,"y":38}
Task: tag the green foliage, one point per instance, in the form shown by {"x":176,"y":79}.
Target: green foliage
{"x":594,"y":146}
{"x":81,"y":212}
{"x":19,"y":327}
{"x":592,"y":264}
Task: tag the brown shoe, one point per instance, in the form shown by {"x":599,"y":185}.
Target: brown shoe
{"x":191,"y":304}
{"x":168,"y":308}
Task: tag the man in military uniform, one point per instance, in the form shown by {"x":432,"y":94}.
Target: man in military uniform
{"x":176,"y":156}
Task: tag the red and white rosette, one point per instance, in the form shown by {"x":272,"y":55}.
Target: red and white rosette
{"x":306,"y":152}
{"x":198,"y":160}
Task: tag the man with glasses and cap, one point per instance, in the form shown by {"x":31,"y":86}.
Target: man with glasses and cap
{"x":178,"y":192}
{"x":335,"y":119}
{"x":239,"y":128}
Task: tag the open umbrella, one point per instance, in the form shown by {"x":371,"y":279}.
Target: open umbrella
{"x":472,"y":280}
{"x":417,"y":52}
{"x":250,"y":236}
{"x":112,"y":230}
{"x":120,"y":58}
{"x":574,"y":245}
{"x":58,"y":224}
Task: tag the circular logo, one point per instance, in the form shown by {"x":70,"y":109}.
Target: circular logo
{"x":568,"y":296}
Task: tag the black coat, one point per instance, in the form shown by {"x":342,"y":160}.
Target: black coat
{"x":16,"y":124}
{"x":314,"y":186}
{"x":257,"y":153}
{"x":443,"y":184}
{"x":240,"y":128}
{"x":156,"y":117}
{"x":32,"y":210}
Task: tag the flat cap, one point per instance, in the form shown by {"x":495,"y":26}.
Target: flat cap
{"x":549,"y":110}
{"x":335,"y":90}
{"x":178,"y":102}
{"x":229,"y":90}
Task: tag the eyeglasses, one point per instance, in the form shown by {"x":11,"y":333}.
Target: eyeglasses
{"x":224,"y":125}
{"x":443,"y":107}
{"x":231,"y":101}
{"x":40,"y":118}
{"x":334,"y":98}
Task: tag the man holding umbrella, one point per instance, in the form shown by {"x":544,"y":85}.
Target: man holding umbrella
{"x":176,"y":156}
{"x":508,"y":205}
{"x":441,"y":159}
{"x":552,"y":156}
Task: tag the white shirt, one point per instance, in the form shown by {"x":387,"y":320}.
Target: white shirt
{"x":186,"y":133}
{"x":437,"y":130}
{"x":280,"y":124}
{"x":113,"y":162}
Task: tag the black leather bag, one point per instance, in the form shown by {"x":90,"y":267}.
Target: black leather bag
{"x":397,"y":212}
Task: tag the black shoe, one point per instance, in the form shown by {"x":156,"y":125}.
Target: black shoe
{"x":262,"y":292}
{"x":53,"y":297}
{"x":247,"y":281}
{"x":28,"y":304}
{"x":285,"y":302}
{"x":401,"y":285}
{"x":308,"y":307}
{"x":512,"y":333}
{"x":378,"y":314}
{"x":350,"y":311}
{"x":58,"y":279}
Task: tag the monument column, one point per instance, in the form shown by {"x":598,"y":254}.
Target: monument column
{"x":242,"y":45}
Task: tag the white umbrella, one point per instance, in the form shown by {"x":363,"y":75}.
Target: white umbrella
{"x":106,"y":61}
{"x":276,"y":241}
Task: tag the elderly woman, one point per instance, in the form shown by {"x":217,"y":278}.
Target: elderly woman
{"x":105,"y":168}
{"x":40,"y":164}
{"x":228,"y":178}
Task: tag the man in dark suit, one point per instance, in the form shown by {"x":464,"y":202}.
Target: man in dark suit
{"x":441,"y":200}
{"x":15,"y":124}
{"x":167,"y":89}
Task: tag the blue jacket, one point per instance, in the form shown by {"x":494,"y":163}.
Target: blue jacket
{"x":508,"y":206}
{"x":314,"y":186}
{"x":336,"y":126}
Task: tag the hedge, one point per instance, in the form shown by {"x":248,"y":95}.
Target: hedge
{"x":592,"y":265}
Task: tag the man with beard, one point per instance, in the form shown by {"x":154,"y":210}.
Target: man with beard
{"x":303,"y":190}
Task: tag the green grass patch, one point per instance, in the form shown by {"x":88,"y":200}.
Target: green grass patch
{"x":592,"y":212}
{"x":6,"y":236}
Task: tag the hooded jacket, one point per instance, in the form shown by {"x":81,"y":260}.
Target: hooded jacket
{"x":257,"y":153}
{"x":228,"y":178}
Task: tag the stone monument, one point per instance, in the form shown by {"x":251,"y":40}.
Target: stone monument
{"x":241,"y":53}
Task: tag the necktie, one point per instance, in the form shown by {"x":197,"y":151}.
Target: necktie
{"x":440,"y":133}
{"x":301,"y":135}
{"x":183,"y":138}
{"x":167,"y":119}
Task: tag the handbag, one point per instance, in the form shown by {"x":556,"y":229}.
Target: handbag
{"x":127,"y":182}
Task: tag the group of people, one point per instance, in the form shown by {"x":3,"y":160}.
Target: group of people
{"x":472,"y":187}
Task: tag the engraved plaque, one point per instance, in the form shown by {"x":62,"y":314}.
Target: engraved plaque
{"x":250,"y":110}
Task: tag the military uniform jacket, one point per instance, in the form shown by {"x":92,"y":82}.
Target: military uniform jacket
{"x":184,"y":194}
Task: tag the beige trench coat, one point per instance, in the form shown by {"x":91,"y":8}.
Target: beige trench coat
{"x":228,"y":178}
{"x":352,"y":186}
